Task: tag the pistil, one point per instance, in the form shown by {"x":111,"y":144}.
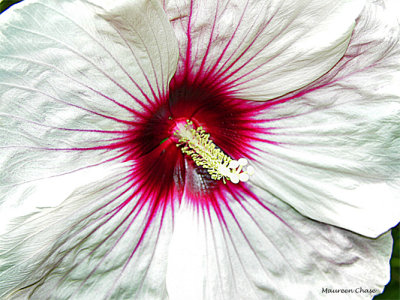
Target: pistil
{"x":196,"y":143}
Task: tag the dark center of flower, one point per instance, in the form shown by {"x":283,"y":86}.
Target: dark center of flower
{"x":194,"y":141}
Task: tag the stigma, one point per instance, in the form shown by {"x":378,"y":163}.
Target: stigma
{"x":196,"y":143}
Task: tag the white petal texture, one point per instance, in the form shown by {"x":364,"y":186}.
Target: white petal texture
{"x":250,"y":46}
{"x":335,"y":133}
{"x":67,"y":85}
{"x":89,"y":246}
{"x":117,"y":117}
{"x":276,"y":254}
{"x":336,"y":151}
{"x":71,"y":75}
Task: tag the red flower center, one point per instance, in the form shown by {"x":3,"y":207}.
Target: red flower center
{"x":161,"y":174}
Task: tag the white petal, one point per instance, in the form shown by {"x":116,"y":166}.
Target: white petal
{"x":275,"y":254}
{"x":86,"y":246}
{"x":261,"y":49}
{"x":69,"y":84}
{"x":337,"y":152}
{"x":73,"y":83}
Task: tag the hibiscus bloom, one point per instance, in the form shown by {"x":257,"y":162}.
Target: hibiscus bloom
{"x":198,"y":149}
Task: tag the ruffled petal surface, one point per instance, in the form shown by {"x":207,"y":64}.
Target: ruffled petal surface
{"x":96,"y":244}
{"x":75,"y":83}
{"x":335,"y":145}
{"x":250,"y":47}
{"x":72,"y":77}
{"x":265,"y":249}
{"x":67,"y":89}
{"x":75,"y":229}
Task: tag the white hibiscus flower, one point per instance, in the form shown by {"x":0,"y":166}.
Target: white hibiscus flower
{"x":198,"y":149}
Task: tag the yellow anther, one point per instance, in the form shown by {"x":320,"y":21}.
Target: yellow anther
{"x":195,"y":142}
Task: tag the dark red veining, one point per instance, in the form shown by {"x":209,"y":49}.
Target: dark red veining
{"x":160,"y":165}
{"x":160,"y":175}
